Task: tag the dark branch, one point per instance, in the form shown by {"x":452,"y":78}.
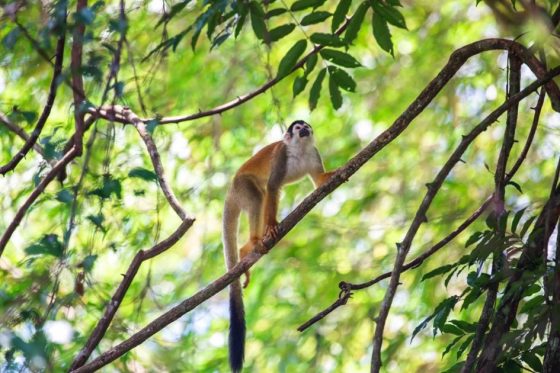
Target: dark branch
{"x":32,"y":140}
{"x":500,"y":180}
{"x":12,"y":127}
{"x":77,"y":81}
{"x":116,"y":300}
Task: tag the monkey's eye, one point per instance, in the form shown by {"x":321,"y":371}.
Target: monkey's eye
{"x":297,"y":128}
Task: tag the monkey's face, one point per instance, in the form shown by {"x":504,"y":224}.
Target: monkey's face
{"x":299,"y":132}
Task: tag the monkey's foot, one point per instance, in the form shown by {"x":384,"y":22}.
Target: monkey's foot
{"x":271,"y":230}
{"x":247,"y":279}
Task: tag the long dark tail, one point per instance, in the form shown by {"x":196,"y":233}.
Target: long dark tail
{"x":236,"y":310}
{"x":236,"y":327}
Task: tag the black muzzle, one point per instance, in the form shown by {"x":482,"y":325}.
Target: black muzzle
{"x":304,"y":132}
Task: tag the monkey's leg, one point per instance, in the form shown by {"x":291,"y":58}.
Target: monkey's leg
{"x":256,"y":228}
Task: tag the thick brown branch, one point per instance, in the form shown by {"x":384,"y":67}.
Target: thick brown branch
{"x":32,"y":140}
{"x":308,"y":203}
{"x":115,"y":302}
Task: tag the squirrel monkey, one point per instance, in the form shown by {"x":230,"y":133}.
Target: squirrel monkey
{"x":255,"y":189}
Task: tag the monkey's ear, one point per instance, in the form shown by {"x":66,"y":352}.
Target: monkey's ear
{"x":287,"y":136}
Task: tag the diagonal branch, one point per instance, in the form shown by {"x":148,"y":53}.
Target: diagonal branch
{"x":156,"y":161}
{"x":116,"y":300}
{"x":340,"y":176}
{"x":32,"y":140}
{"x":22,"y":134}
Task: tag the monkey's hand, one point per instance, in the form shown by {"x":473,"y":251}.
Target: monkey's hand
{"x":271,"y":229}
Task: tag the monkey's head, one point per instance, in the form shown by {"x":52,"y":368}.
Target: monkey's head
{"x":299,"y":132}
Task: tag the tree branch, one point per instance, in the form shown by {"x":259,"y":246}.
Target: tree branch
{"x":341,"y":175}
{"x":11,"y":126}
{"x":116,"y":300}
{"x":32,"y":140}
{"x":156,"y":161}
{"x":500,"y":181}
{"x":531,"y":258}
{"x":77,"y":81}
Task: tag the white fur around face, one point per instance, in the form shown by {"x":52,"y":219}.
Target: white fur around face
{"x":302,"y":158}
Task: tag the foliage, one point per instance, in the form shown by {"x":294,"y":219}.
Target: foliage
{"x":65,"y":260}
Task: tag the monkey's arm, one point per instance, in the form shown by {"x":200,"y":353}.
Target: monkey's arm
{"x":318,"y":173}
{"x":275,"y":181}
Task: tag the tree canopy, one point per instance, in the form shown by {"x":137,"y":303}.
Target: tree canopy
{"x":434,"y":246}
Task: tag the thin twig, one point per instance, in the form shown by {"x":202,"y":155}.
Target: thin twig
{"x":22,"y":134}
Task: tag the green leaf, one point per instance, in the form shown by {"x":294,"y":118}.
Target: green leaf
{"x":526,"y":226}
{"x":65,"y":196}
{"x":49,"y":245}
{"x":330,"y":40}
{"x":315,"y":91}
{"x":339,"y":58}
{"x":382,"y":34}
{"x":475,"y":237}
{"x":389,"y":14}
{"x":85,"y":16}
{"x":257,"y":21}
{"x":97,"y":220}
{"x":110,"y":186}
{"x":88,"y":262}
{"x":299,"y":85}
{"x":452,"y":329}
{"x":532,"y":360}
{"x":340,"y":14}
{"x":314,"y":17}
{"x":281,"y":31}
{"x":310,"y":63}
{"x":516,"y":186}
{"x":464,"y":346}
{"x":176,"y":8}
{"x":532,"y":303}
{"x":9,"y":41}
{"x":472,"y":295}
{"x":151,"y":125}
{"x":450,"y":346}
{"x":304,"y":4}
{"x":142,"y":173}
{"x":438,"y":271}
{"x":516,"y":219}
{"x":342,"y":79}
{"x":443,"y":311}
{"x":290,"y":59}
{"x":356,"y":23}
{"x":336,"y":97}
{"x":275,"y":12}
{"x":464,"y":325}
